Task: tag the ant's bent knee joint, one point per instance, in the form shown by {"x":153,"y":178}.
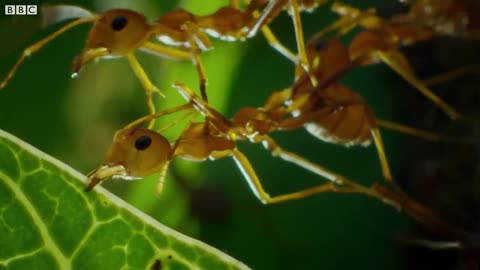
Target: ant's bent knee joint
{"x":266,"y":199}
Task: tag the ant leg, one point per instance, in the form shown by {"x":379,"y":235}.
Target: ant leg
{"x":257,"y":187}
{"x":417,"y":211}
{"x":161,"y":178}
{"x":190,"y":96}
{"x":270,"y":144}
{"x":340,"y":184}
{"x":163,"y":172}
{"x":271,"y":10}
{"x":423,"y":134}
{"x":211,"y":115}
{"x":297,"y":24}
{"x":201,"y":74}
{"x":192,"y":31}
{"x":268,"y":34}
{"x":432,"y":244}
{"x":377,"y":139}
{"x":343,"y":25}
{"x":277,"y":45}
{"x":399,"y":64}
{"x":397,"y":200}
{"x":337,"y":179}
{"x":147,"y":84}
{"x":38,"y":45}
{"x":165,"y":51}
{"x":189,"y":113}
{"x":252,"y":179}
{"x":452,"y":74}
{"x":151,"y":117}
{"x":270,"y":37}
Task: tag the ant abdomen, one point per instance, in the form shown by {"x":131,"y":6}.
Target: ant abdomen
{"x":170,"y":29}
{"x":342,"y":117}
{"x":227,"y":23}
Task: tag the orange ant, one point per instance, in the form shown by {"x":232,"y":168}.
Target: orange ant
{"x":180,"y":35}
{"x":138,"y":152}
{"x":379,"y":42}
{"x":331,"y":111}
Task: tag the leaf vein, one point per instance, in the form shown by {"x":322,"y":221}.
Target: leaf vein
{"x":43,"y":229}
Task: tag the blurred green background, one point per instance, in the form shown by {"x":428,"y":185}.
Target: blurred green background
{"x":75,"y":119}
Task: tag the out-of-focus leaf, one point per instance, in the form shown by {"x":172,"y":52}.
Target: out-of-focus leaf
{"x":48,"y":221}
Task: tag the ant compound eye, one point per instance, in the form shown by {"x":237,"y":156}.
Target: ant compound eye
{"x":119,"y":22}
{"x":143,"y":142}
{"x":319,"y":45}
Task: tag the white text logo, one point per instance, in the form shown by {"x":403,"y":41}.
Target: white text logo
{"x":20,"y":9}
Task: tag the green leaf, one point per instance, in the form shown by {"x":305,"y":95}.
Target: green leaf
{"x":48,"y":221}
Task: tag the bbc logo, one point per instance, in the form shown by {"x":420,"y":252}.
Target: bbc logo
{"x":20,"y":9}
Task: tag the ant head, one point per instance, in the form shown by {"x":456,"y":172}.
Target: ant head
{"x":326,"y":54}
{"x":329,"y":60}
{"x":116,"y":32}
{"x":120,"y":31}
{"x":135,"y":152}
{"x":141,"y":151}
